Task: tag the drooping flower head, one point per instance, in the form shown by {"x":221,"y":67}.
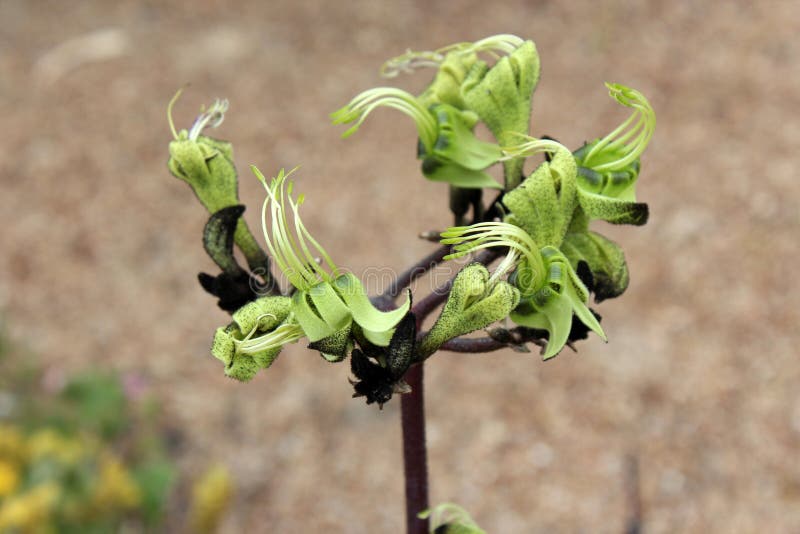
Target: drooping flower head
{"x":627,"y":142}
{"x":550,"y":289}
{"x":447,"y":144}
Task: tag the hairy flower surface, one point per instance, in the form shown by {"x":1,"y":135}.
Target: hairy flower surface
{"x":325,"y":305}
{"x":550,"y":289}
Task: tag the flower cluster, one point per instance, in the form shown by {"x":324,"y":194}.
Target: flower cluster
{"x":546,"y":226}
{"x":540,"y":223}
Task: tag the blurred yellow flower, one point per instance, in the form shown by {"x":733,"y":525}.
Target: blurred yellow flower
{"x":9,"y":478}
{"x":30,"y":511}
{"x":115,"y":489}
{"x":211,"y":495}
{"x":47,"y":443}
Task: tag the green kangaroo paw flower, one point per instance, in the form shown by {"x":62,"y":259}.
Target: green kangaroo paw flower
{"x":474,"y":303}
{"x":206,"y":164}
{"x":627,"y":142}
{"x":256,"y":336}
{"x":501,"y":96}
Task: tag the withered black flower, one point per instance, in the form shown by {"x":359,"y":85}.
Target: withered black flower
{"x":234,"y":286}
{"x":379,"y":375}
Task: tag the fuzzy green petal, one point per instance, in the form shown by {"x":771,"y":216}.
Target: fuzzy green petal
{"x":314,"y":327}
{"x":457,"y":142}
{"x":501,"y":96}
{"x":378,"y":326}
{"x":439,"y":171}
{"x":263,"y":314}
{"x":612,"y":210}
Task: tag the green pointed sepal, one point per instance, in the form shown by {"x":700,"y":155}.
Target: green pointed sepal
{"x":474,"y":303}
{"x":501,"y":96}
{"x":552,"y":306}
{"x":543,"y":205}
{"x":458,"y":157}
{"x":604,"y":259}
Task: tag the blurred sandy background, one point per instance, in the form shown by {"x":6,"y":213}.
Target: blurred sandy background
{"x":699,"y":382}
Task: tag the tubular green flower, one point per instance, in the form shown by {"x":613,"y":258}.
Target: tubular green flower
{"x":206,"y":164}
{"x":628,"y":141}
{"x":327,"y":301}
{"x":550,"y":289}
{"x":448,"y":146}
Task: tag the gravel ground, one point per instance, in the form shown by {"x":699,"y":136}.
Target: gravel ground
{"x":697,"y":386}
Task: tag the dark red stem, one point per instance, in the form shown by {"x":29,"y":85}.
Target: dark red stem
{"x":415,"y":456}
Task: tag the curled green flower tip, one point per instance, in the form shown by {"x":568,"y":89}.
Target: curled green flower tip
{"x":362,"y":105}
{"x":449,"y":518}
{"x":292,"y":247}
{"x":411,"y":60}
{"x":628,"y":141}
{"x":522,"y":247}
